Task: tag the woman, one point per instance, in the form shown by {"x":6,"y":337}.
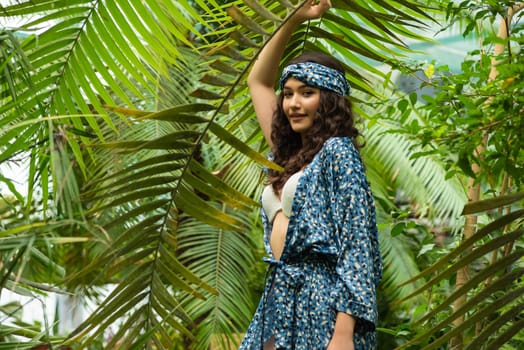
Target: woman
{"x":318,"y":214}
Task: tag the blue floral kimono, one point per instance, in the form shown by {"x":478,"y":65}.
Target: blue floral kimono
{"x":330,"y":263}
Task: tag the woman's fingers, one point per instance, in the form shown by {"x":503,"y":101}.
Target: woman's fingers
{"x":313,"y":9}
{"x":324,"y":5}
{"x":318,"y":8}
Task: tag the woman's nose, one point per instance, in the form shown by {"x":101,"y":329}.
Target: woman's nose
{"x":295,"y":101}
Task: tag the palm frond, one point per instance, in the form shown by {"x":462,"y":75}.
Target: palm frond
{"x":223,"y":259}
{"x":423,"y":180}
{"x":89,"y":56}
{"x":172,"y":185}
{"x":494,"y":291}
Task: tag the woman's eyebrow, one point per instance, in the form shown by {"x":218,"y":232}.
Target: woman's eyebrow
{"x":302,"y":86}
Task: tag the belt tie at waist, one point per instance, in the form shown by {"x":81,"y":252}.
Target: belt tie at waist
{"x":292,"y":275}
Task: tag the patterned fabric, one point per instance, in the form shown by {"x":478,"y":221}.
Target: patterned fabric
{"x":330,"y":262}
{"x":317,"y":76}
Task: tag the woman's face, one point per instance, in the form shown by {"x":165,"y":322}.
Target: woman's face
{"x":300,"y":104}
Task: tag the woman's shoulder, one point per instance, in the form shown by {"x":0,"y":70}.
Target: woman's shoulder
{"x":339,"y":144}
{"x":340,"y":152}
{"x":342,"y":158}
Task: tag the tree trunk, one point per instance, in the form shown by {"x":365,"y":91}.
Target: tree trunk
{"x":469,"y":230}
{"x":474,"y":188}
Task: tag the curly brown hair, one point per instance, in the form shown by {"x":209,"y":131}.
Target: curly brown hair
{"x":334,"y":117}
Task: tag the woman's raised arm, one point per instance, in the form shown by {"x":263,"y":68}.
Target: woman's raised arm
{"x":261,"y":79}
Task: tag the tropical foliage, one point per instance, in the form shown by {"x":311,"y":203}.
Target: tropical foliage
{"x":143,"y":161}
{"x":474,"y":123}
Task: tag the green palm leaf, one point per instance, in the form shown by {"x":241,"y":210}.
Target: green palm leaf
{"x":494,"y":291}
{"x":223,"y":259}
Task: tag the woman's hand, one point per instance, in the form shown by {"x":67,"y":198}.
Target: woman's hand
{"x":341,"y":343}
{"x":343,"y":335}
{"x":310,"y":10}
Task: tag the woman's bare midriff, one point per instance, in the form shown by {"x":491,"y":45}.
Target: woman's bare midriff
{"x":278,"y":234}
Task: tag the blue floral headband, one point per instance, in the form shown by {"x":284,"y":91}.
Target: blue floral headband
{"x":317,"y":76}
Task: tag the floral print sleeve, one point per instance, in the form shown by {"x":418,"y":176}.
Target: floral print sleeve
{"x":359,"y":265}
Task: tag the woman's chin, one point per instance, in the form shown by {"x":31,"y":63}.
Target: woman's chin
{"x":299,"y":128}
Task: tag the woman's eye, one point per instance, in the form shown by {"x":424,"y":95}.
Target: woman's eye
{"x":308,"y":93}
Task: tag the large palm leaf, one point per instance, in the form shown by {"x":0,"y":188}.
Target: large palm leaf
{"x":223,"y":259}
{"x":101,"y":54}
{"x":494,"y":290}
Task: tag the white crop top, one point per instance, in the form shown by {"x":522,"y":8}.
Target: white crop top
{"x":272,"y":204}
